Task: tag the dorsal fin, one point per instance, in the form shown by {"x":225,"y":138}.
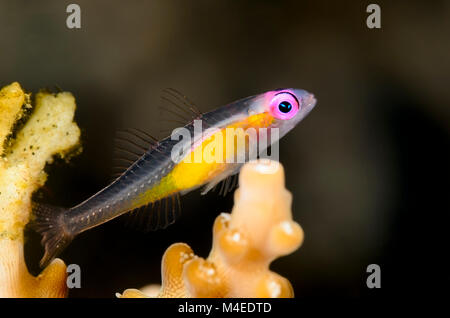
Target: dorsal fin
{"x":181,"y":102}
{"x":176,"y":110}
{"x":130,"y":145}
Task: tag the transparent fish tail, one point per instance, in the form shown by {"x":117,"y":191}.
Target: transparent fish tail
{"x":48,"y":221}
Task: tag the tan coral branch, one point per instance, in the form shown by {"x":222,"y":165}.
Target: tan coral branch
{"x":258,"y":230}
{"x":50,"y":130}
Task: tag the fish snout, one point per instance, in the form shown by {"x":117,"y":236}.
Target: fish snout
{"x":309,"y":101}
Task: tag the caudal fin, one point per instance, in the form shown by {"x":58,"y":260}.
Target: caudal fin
{"x":48,"y":221}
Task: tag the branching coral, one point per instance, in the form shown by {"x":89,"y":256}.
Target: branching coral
{"x":258,"y":230}
{"x":50,"y":130}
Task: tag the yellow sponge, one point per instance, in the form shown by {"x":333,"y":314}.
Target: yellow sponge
{"x":50,"y":130}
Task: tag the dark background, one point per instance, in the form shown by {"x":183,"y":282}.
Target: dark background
{"x":368,"y":168}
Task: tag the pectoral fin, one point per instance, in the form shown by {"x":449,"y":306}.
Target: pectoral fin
{"x":228,"y":179}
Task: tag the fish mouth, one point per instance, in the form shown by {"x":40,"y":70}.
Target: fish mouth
{"x":310,"y":102}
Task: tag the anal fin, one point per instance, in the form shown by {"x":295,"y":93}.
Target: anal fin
{"x":156,"y":215}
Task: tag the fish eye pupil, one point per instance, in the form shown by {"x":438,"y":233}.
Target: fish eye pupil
{"x":285,"y":107}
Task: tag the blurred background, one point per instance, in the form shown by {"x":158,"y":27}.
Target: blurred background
{"x":368,"y":168}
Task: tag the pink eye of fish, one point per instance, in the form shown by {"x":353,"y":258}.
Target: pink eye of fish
{"x":284,"y":105}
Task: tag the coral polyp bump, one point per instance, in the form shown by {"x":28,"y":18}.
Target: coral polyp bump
{"x":258,"y":230}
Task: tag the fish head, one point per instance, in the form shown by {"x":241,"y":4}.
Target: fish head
{"x":282,"y":108}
